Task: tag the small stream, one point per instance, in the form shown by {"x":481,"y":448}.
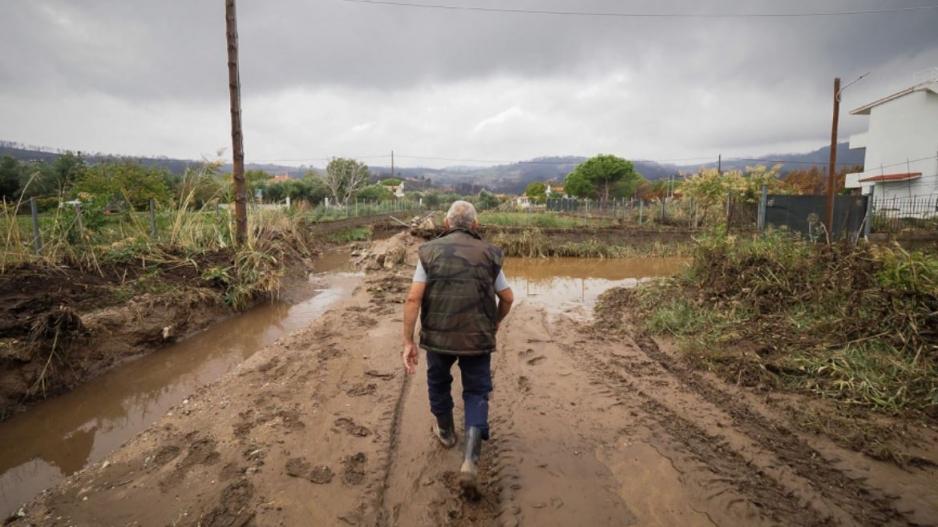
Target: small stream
{"x":60,"y":436}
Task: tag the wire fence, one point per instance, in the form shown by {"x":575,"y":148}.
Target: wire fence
{"x":904,"y":214}
{"x":641,"y":212}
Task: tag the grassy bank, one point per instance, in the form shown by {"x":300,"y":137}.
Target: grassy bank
{"x":541,"y":220}
{"x":855,"y":325}
{"x":534,"y":243}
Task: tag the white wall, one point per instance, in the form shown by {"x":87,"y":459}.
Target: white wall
{"x":901,"y":129}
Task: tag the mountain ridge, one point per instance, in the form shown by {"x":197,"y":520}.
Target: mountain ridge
{"x":506,"y":177}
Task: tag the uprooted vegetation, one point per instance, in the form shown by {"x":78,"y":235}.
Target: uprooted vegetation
{"x":855,"y":326}
{"x":111,"y":292}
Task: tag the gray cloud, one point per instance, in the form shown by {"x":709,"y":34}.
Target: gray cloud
{"x":331,"y":77}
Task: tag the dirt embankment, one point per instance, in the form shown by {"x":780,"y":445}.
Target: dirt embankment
{"x":591,"y":425}
{"x":61,"y":326}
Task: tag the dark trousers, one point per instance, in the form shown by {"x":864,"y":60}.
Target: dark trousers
{"x":476,"y":384}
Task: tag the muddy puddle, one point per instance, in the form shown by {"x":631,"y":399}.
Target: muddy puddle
{"x":573,"y":284}
{"x":62,"y":435}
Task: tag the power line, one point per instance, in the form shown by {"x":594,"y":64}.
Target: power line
{"x":615,"y":14}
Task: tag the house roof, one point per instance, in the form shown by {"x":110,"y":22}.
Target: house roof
{"x":886,"y":178}
{"x":930,"y":85}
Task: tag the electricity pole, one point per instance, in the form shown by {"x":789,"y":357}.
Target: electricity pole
{"x":832,"y":167}
{"x":237,"y":140}
{"x":392,"y":163}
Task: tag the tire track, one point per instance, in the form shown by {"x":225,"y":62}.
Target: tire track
{"x":383,"y":517}
{"x":866,"y":506}
{"x":766,"y":494}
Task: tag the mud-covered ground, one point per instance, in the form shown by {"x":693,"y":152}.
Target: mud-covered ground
{"x":60,"y":326}
{"x":589,"y":427}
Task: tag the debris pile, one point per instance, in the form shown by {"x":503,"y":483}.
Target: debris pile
{"x":398,"y":250}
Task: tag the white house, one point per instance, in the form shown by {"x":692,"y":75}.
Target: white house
{"x":901,"y":144}
{"x":397,"y":190}
{"x":554,"y":191}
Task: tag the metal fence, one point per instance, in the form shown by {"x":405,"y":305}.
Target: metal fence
{"x":909,"y":213}
{"x":664,"y":211}
{"x":802,"y":214}
{"x":806,"y":215}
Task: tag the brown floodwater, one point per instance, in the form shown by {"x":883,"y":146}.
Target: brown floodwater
{"x":571,"y":284}
{"x":62,"y":435}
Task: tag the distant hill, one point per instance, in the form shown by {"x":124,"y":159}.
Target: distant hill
{"x":509,"y":178}
{"x":176,"y":166}
{"x":846,"y":156}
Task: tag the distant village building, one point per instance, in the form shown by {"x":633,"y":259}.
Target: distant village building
{"x":523,"y":202}
{"x":554,"y":191}
{"x":283,"y":176}
{"x":901,"y":144}
{"x":397,"y":190}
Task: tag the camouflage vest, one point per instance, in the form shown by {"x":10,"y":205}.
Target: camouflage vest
{"x":459,"y":312}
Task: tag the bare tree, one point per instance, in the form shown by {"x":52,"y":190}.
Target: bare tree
{"x":345,"y":177}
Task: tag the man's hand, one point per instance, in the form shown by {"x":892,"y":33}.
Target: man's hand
{"x":410,"y":357}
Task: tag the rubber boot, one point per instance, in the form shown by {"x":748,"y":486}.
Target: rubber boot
{"x":469,"y":472}
{"x":445,"y":431}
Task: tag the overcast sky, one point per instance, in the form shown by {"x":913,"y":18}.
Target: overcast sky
{"x":325,"y":78}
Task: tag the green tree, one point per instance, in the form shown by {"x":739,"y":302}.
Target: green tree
{"x":375,"y":193}
{"x":255,"y":179}
{"x":391,"y":182}
{"x":431,"y":200}
{"x":11,"y":171}
{"x":345,"y":177}
{"x":578,"y":185}
{"x":598,"y":176}
{"x":536,"y":192}
{"x":487,"y":200}
{"x":123,"y":182}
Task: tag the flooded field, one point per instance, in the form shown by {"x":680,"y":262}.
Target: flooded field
{"x":60,"y":436}
{"x":563,"y":284}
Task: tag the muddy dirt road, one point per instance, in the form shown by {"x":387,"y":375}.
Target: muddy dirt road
{"x":589,"y":427}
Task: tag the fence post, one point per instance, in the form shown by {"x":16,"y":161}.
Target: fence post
{"x":763,"y":200}
{"x":641,"y":210}
{"x":37,"y":236}
{"x":729,"y":210}
{"x":868,"y":223}
{"x":81,"y":227}
{"x":152,"y":218}
{"x":663,"y":208}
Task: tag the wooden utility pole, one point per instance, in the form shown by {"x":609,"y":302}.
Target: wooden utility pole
{"x":392,"y":163}
{"x":832,"y":167}
{"x":237,"y":140}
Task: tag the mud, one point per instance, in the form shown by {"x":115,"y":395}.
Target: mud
{"x":57,"y":437}
{"x":60,"y":327}
{"x":588,"y":428}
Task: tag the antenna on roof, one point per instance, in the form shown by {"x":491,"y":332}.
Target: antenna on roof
{"x":926,"y":75}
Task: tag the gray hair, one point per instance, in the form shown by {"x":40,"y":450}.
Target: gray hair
{"x":461,"y":215}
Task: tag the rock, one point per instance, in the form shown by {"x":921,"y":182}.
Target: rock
{"x":321,"y":474}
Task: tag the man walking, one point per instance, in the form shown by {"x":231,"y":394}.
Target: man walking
{"x":458,"y":278}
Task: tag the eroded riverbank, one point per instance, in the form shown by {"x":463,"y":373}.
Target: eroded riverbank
{"x":60,"y":436}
